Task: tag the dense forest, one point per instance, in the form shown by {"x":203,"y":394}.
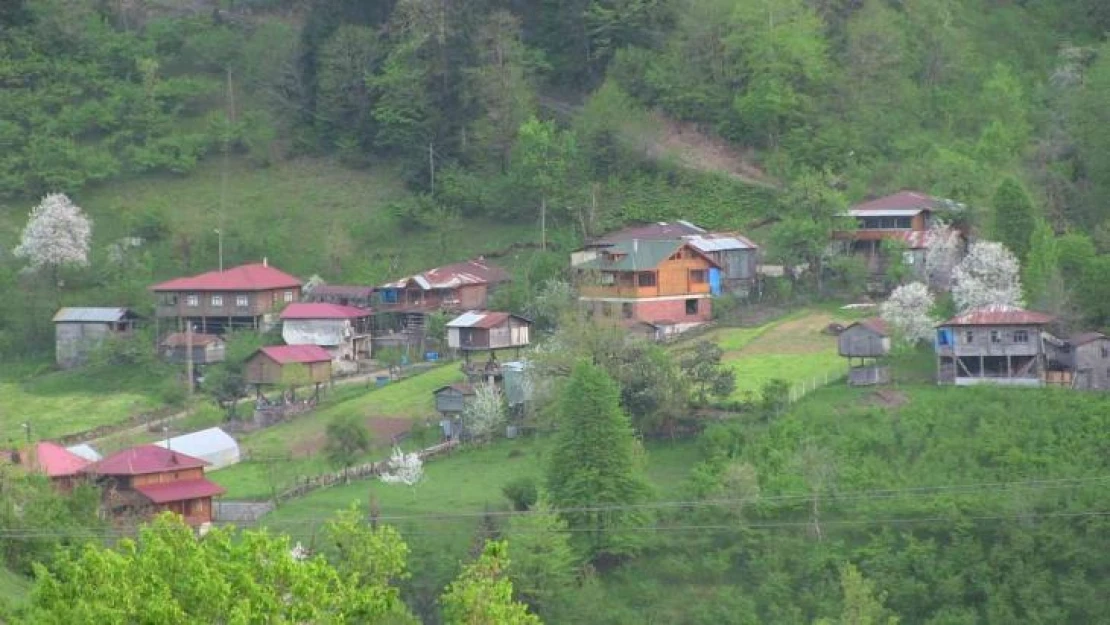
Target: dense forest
{"x":358,"y":139}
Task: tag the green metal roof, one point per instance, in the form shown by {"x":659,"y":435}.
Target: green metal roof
{"x":637,"y":255}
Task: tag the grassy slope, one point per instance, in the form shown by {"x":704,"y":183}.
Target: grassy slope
{"x":292,"y":449}
{"x":13,"y":587}
{"x":66,"y":402}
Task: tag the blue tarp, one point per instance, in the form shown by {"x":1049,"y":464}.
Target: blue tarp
{"x":714,"y":281}
{"x":944,"y":337}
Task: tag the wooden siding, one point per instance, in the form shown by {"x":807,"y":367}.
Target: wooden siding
{"x":672,"y":277}
{"x":983,"y":342}
{"x":512,"y":333}
{"x":450,"y":401}
{"x":167,"y":477}
{"x":261,"y":369}
{"x":862,"y":342}
{"x":176,"y":304}
{"x":1092,"y":365}
{"x":74,"y":342}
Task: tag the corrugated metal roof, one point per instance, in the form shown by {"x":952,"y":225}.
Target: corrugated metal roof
{"x":85,"y":451}
{"x":481,"y":319}
{"x":343,"y":290}
{"x":57,"y":461}
{"x":142,"y":460}
{"x":183,"y":490}
{"x":875,"y":324}
{"x":322,"y":310}
{"x":719,"y":243}
{"x":1086,"y":337}
{"x":999,"y":316}
{"x":92,"y":315}
{"x":660,"y":230}
{"x":902,"y":200}
{"x":250,"y":277}
{"x":478,"y":271}
{"x":885,"y":212}
{"x":289,"y":354}
{"x":637,"y":255}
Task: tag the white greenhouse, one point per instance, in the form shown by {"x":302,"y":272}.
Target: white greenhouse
{"x":213,"y":445}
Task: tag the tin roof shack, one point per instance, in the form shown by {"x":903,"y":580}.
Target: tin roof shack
{"x":1086,"y":356}
{"x":143,"y":481}
{"x":452,"y":399}
{"x":79,"y":331}
{"x":61,"y":465}
{"x":344,"y":331}
{"x":219,"y":301}
{"x":214,"y":446}
{"x":289,"y":366}
{"x":903,"y":218}
{"x":659,"y":282}
{"x":401,"y":307}
{"x":867,"y":342}
{"x":206,"y":348}
{"x":994,"y":344}
{"x":487,"y":331}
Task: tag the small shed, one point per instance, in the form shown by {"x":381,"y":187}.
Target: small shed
{"x":206,"y":348}
{"x":479,"y":330}
{"x":868,"y":341}
{"x":452,"y":399}
{"x":1088,"y":356}
{"x":289,"y":365}
{"x":78,"y":331}
{"x":517,"y":381}
{"x":213,"y":445}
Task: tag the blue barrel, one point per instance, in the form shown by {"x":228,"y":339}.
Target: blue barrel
{"x":431,"y":356}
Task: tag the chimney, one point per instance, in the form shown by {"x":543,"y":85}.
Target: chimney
{"x":265,"y":262}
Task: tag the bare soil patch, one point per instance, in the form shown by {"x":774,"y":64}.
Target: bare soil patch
{"x":383,"y":429}
{"x":888,"y":398}
{"x":699,"y":150}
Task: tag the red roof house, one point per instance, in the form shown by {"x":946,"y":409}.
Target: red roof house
{"x":146,"y":480}
{"x":459,"y":286}
{"x":993,"y":344}
{"x":999,"y":316}
{"x":220,"y":300}
{"x":61,"y":465}
{"x":289,"y":365}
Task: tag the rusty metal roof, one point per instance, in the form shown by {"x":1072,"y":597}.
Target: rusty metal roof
{"x":875,"y":324}
{"x":999,"y":316}
{"x":477,"y":271}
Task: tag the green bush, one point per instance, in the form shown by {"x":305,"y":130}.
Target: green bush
{"x":522,"y":492}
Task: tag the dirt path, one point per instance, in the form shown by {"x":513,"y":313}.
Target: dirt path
{"x":177,"y":416}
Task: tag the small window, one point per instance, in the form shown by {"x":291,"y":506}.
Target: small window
{"x":646,"y":278}
{"x":996,"y":336}
{"x":691,"y":307}
{"x":905,"y":223}
{"x":192,"y":301}
{"x":969,"y":337}
{"x":626,"y":310}
{"x":907,"y":258}
{"x":697,"y":276}
{"x":607,"y":279}
{"x":606,"y":309}
{"x":217,"y":301}
{"x":242,"y":301}
{"x":1021,"y":336}
{"x":1104,"y":351}
{"x":288,"y":296}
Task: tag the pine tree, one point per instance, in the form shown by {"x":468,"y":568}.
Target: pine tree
{"x":1014,"y":217}
{"x":594,"y":473}
{"x":543,"y":564}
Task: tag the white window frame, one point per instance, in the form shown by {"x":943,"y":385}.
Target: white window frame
{"x":288,"y":296}
{"x":192,"y":300}
{"x":217,"y":301}
{"x":242,"y":301}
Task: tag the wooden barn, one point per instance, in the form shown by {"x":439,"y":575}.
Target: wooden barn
{"x":865,"y":344}
{"x":487,"y":331}
{"x":289,"y":366}
{"x":206,"y":348}
{"x":78,"y":331}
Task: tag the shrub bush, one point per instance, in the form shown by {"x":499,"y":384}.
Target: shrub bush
{"x":522,"y":493}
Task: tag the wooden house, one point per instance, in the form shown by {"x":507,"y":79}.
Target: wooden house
{"x":1085,"y":357}
{"x":659,"y":282}
{"x":993,"y":344}
{"x":206,"y":348}
{"x":344,"y":331}
{"x":143,"y":481}
{"x":865,"y":343}
{"x":218,"y":301}
{"x":487,"y":331}
{"x":289,"y":366}
{"x":737,"y":256}
{"x":78,"y":331}
{"x":452,"y":399}
{"x":895,"y":222}
{"x":60,"y":465}
{"x":344,"y":295}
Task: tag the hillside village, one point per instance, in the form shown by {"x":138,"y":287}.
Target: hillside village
{"x":488,"y":313}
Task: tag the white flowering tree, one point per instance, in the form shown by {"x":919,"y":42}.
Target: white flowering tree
{"x":988,"y":276}
{"x":485,"y":412}
{"x":906,"y":312}
{"x":57,"y":235}
{"x":942,"y":253}
{"x":402,"y":468}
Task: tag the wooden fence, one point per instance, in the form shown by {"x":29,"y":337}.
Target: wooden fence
{"x":306,"y":485}
{"x":805,"y":387}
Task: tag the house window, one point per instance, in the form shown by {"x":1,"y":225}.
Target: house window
{"x":606,"y":309}
{"x":691,"y":307}
{"x":1104,"y":351}
{"x":1021,"y":336}
{"x":996,"y":336}
{"x":288,"y":296}
{"x":607,"y":279}
{"x":192,"y":300}
{"x":626,"y":310}
{"x":969,"y":337}
{"x":904,"y":223}
{"x":646,"y":278}
{"x":217,"y":301}
{"x":242,"y":301}
{"x":697,"y":276}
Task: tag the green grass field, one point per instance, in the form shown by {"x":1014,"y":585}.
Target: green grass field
{"x":65,"y":402}
{"x":292,"y":449}
{"x":13,"y":587}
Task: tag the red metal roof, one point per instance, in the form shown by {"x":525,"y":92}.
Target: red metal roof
{"x":903,"y":200}
{"x":875,"y":324}
{"x":183,"y":490}
{"x":999,"y":316}
{"x":306,"y":310}
{"x":290,"y":354}
{"x":142,"y":460}
{"x":179,"y":339}
{"x":251,"y":277}
{"x":57,"y":461}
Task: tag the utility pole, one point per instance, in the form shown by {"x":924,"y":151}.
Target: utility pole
{"x":543,"y":223}
{"x":432,"y":167}
{"x":220,"y":242}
